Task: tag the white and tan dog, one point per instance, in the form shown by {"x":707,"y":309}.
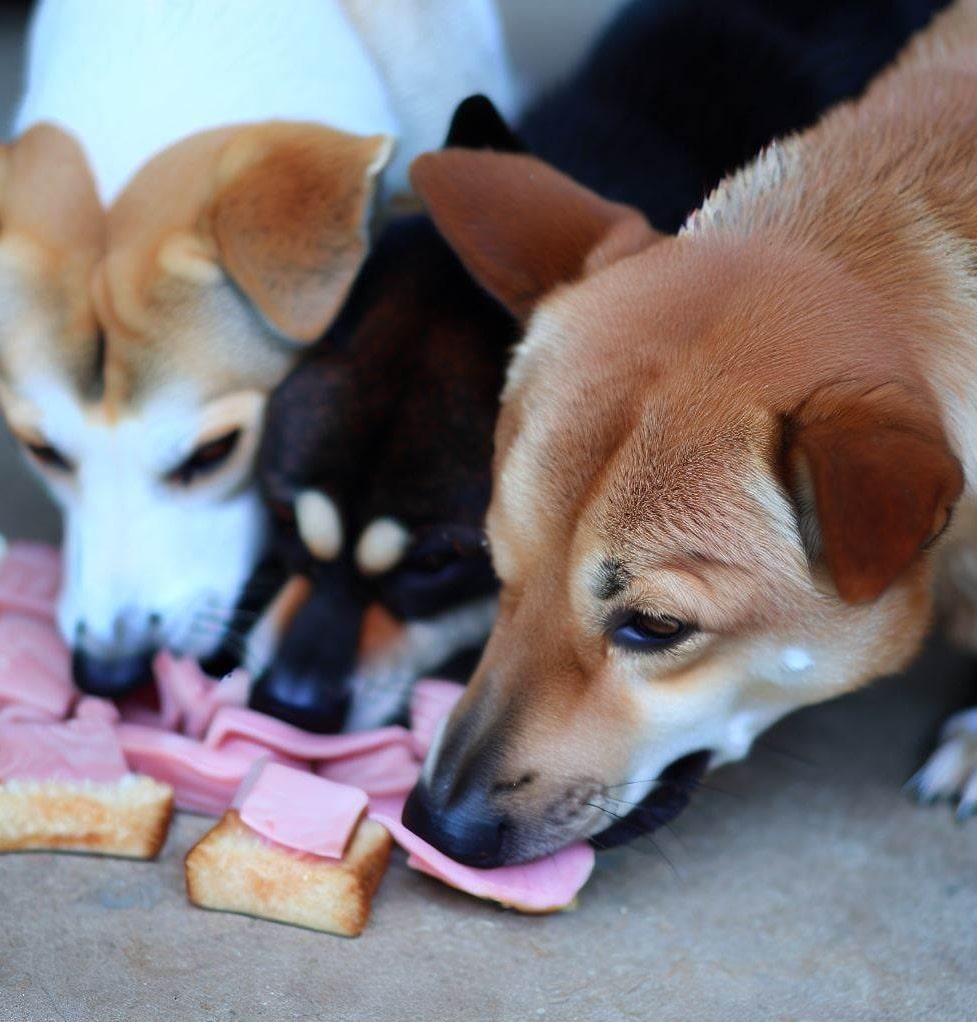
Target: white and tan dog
{"x":184,"y":207}
{"x":726,"y":463}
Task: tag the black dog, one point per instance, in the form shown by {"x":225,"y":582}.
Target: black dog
{"x":391,"y":417}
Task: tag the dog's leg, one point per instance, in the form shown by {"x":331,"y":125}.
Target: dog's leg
{"x":951,"y":771}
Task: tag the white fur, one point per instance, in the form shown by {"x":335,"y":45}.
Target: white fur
{"x":130,"y":77}
{"x":125,"y":524}
{"x":796,"y":660}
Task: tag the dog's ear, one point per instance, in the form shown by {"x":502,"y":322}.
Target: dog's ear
{"x":289,"y":218}
{"x":521,"y":227}
{"x":476,"y":124}
{"x":874,"y":481}
{"x":47,"y":192}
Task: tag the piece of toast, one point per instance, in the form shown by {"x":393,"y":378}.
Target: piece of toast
{"x":129,"y":817}
{"x":234,"y":869}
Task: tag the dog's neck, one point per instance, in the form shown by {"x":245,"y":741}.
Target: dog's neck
{"x":899,"y":219}
{"x":129,"y":79}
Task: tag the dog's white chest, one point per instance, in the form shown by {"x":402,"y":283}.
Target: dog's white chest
{"x":130,"y":78}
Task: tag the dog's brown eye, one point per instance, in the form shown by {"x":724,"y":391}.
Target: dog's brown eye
{"x":205,"y":459}
{"x":49,"y":456}
{"x":646,"y":632}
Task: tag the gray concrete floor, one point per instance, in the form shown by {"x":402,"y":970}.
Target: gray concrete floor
{"x":799,"y":886}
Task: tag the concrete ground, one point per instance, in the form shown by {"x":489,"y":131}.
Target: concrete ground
{"x":800,"y":886}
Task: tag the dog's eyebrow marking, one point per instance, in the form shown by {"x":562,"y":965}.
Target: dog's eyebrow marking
{"x":381,"y":545}
{"x":612,"y":578}
{"x":319,"y":524}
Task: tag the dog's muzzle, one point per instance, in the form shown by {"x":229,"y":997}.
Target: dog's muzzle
{"x":111,"y":677}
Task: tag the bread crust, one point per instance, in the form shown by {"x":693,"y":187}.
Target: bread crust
{"x":128,"y":818}
{"x":234,"y":869}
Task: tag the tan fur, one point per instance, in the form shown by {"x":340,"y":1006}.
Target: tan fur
{"x":233,"y":869}
{"x":224,"y":252}
{"x":129,"y":818}
{"x":765,"y":422}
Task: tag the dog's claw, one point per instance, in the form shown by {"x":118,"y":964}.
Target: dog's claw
{"x":950,"y":774}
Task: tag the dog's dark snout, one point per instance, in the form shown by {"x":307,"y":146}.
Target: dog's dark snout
{"x":111,"y":677}
{"x":469,"y":830}
{"x":308,"y":682}
{"x":300,"y":698}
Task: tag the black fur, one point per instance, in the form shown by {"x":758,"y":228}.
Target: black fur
{"x":393,"y":412}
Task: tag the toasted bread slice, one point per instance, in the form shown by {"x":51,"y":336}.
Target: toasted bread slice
{"x":233,"y":869}
{"x":128,"y":817}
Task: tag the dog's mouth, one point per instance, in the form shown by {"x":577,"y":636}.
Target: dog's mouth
{"x":671,"y":793}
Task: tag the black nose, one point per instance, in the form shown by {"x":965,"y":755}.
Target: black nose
{"x":468,"y":831}
{"x":307,"y":684}
{"x":118,"y":676}
{"x":304,"y":699}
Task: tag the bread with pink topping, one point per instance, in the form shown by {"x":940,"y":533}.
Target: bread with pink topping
{"x":234,"y":869}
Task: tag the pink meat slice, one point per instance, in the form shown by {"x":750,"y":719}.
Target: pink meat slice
{"x":431,"y":701}
{"x":203,"y":779}
{"x":189,"y":698}
{"x":75,"y":750}
{"x":546,"y":885}
{"x":35,"y":667}
{"x":300,"y":810}
{"x":235,"y":722}
{"x":96,"y":708}
{"x":30,"y":578}
{"x":388,"y":770}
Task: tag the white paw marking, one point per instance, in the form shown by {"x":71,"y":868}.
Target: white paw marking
{"x":951,"y":771}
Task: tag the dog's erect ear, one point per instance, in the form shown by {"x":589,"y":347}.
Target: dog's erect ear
{"x":476,"y":124}
{"x":289,"y":217}
{"x":521,"y":227}
{"x":48,"y":193}
{"x":876,"y":481}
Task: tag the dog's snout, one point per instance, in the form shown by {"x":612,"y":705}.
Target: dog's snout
{"x":308,"y":683}
{"x":469,"y":831}
{"x":111,"y":677}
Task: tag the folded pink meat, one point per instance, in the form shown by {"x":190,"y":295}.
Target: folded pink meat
{"x":545,"y":885}
{"x":204,"y":780}
{"x":300,"y":810}
{"x":74,"y":750}
{"x":431,"y":702}
{"x":223,"y":741}
{"x":237,"y":722}
{"x":35,"y":667}
{"x":186,"y":698}
{"x":30,"y":577}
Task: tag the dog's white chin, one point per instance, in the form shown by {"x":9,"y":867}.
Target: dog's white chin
{"x":167,"y":574}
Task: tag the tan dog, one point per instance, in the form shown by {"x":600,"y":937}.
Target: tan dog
{"x":726,"y":462}
{"x":137,"y":348}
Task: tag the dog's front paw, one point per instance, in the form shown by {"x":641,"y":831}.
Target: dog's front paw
{"x":951,"y":771}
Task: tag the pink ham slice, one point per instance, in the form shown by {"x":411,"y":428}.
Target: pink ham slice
{"x":233,"y":722}
{"x":545,"y":885}
{"x":73,"y":751}
{"x":189,"y":698}
{"x":389,"y":770}
{"x":300,"y":810}
{"x":30,"y":577}
{"x":431,"y":701}
{"x":35,"y":668}
{"x":204,"y":780}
